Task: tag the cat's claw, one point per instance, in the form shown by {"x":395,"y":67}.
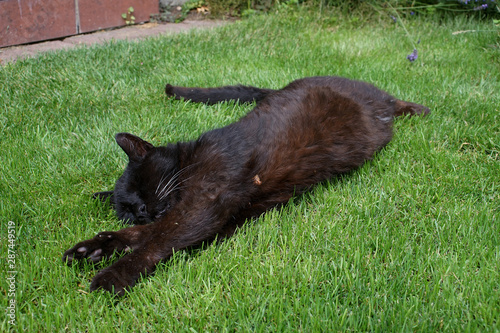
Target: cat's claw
{"x":96,"y":249}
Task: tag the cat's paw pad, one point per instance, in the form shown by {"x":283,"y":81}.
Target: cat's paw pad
{"x":96,"y":249}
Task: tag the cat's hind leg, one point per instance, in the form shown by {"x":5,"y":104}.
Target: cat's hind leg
{"x":412,"y":109}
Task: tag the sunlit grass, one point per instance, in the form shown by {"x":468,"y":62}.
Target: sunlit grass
{"x":410,"y":242}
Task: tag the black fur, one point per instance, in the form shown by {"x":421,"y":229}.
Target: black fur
{"x":309,"y":131}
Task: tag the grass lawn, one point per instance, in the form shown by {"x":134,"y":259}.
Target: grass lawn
{"x":409,"y":242}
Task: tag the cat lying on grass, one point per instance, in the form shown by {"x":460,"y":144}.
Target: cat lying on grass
{"x":183,"y":194}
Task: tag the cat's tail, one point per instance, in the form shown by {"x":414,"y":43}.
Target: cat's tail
{"x":243,"y":94}
{"x":412,"y":109}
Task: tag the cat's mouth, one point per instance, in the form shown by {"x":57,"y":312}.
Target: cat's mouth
{"x":143,"y":220}
{"x":131,"y":218}
{"x":162,"y":213}
{"x":143,"y":216}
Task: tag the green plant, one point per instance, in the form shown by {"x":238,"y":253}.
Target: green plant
{"x":199,"y":5}
{"x":129,"y":16}
{"x":193,"y":4}
{"x":481,"y":7}
{"x":239,"y":7}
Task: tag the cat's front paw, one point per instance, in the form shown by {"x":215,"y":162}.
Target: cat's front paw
{"x":110,"y":279}
{"x":103,"y":245}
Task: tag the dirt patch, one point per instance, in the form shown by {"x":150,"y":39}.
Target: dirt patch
{"x":11,"y":54}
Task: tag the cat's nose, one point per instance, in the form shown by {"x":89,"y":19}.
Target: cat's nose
{"x":142,"y":215}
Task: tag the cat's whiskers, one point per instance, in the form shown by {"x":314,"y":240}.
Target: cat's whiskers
{"x":168,"y":184}
{"x":175,"y":187}
{"x":169,"y":181}
{"x":171,"y":185}
{"x":162,"y":179}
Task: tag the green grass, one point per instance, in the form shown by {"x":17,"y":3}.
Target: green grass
{"x":409,"y":242}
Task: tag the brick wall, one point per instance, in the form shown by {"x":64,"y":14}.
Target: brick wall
{"x":26,"y":21}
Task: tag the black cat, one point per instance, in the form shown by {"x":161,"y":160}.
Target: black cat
{"x":309,"y":131}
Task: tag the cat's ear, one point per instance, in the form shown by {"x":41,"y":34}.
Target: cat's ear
{"x":135,"y":147}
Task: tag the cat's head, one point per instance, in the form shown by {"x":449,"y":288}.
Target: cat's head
{"x":147,"y":189}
